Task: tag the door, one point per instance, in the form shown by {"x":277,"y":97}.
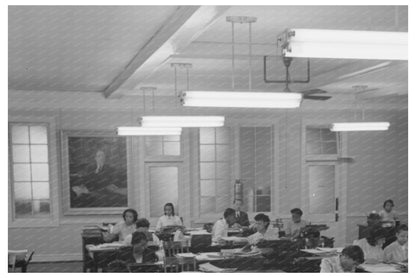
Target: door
{"x":323,"y":198}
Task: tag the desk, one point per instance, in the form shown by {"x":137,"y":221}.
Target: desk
{"x":88,"y":238}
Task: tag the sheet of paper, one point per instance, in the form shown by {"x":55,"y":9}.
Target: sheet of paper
{"x":380,"y":268}
{"x":235,"y":239}
{"x":207,"y":267}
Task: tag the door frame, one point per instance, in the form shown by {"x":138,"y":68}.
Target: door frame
{"x":340,"y":178}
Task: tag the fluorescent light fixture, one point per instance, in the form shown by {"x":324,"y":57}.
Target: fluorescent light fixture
{"x":360,"y":126}
{"x":241,"y":99}
{"x":147,"y":131}
{"x":182,"y":121}
{"x":345,"y":44}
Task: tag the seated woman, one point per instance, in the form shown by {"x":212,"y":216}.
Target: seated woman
{"x":142,"y":225}
{"x":123,"y":228}
{"x":387,"y":214}
{"x":264,"y":231}
{"x":397,"y":251}
{"x":372,"y":245}
{"x":351,"y":257}
{"x":169,"y":219}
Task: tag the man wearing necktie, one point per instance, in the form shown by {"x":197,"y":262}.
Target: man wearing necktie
{"x":241,"y":216}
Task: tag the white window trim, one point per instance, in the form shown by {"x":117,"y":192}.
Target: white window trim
{"x":54,"y":181}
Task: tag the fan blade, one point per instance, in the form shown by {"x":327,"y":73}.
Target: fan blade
{"x":314,"y":91}
{"x":316,"y":97}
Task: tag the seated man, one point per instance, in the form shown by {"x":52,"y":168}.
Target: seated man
{"x":240,"y":216}
{"x":397,"y":251}
{"x":220,"y":228}
{"x":296,"y":224}
{"x":142,"y":225}
{"x":351,"y":257}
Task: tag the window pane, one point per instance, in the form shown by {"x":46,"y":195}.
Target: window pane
{"x":222,"y":171}
{"x":207,"y":152}
{"x":21,"y":172}
{"x":22,"y":190}
{"x":321,"y":189}
{"x":207,"y":188}
{"x":171,"y":148}
{"x":38,"y":135}
{"x":39,"y":153}
{"x":207,"y":205}
{"x":41,"y":207}
{"x":223,"y":153}
{"x":153,"y":147}
{"x":20,"y":134}
{"x":222,"y":135}
{"x":163,"y":183}
{"x":40,"y":172}
{"x":263,"y":203}
{"x":329,"y":148}
{"x":21,"y":153}
{"x":207,"y":171}
{"x":313,"y":134}
{"x":40,"y":190}
{"x":313,"y":148}
{"x":207,"y":135}
{"x":23,"y":207}
{"x":328,"y":135}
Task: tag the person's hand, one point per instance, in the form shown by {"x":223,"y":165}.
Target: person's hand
{"x":236,"y":226}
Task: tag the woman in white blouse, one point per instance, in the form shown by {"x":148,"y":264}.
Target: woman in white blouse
{"x":264,"y":231}
{"x":169,"y":219}
{"x":372,"y":245}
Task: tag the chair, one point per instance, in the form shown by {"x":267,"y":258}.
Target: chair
{"x":174,"y":247}
{"x":187,"y":264}
{"x":171,"y":264}
{"x":20,"y":259}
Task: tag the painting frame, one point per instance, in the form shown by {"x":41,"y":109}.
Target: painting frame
{"x":106,"y":136}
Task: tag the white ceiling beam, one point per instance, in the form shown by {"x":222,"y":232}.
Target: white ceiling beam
{"x":184,"y":26}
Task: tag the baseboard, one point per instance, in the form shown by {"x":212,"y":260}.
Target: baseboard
{"x":56,"y":257}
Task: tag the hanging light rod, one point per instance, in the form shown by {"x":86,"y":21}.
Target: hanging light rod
{"x":241,"y":99}
{"x":147,"y":131}
{"x":360,"y":126}
{"x":345,"y":44}
{"x":182,"y":121}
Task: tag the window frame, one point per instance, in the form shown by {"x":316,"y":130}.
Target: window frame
{"x":36,"y":221}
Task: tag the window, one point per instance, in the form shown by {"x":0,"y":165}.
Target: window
{"x":256,"y":166}
{"x":320,"y":141}
{"x":163,"y":145}
{"x":214,"y":157}
{"x":30,"y":170}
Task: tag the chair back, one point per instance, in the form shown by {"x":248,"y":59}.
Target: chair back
{"x":171,"y":264}
{"x":187,"y":264}
{"x":172,"y":248}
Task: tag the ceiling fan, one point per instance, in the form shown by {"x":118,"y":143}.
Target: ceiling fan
{"x":307,"y":94}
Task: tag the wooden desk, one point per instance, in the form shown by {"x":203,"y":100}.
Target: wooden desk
{"x":89,"y":239}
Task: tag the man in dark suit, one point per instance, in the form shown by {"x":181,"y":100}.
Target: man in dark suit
{"x":241,"y":216}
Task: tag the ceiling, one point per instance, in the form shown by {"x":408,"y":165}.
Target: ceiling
{"x":116,"y":50}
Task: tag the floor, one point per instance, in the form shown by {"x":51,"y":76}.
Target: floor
{"x":54,"y":267}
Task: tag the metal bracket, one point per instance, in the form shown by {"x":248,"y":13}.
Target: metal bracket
{"x":241,"y":19}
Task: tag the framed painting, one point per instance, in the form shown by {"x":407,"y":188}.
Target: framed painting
{"x":94,"y":172}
